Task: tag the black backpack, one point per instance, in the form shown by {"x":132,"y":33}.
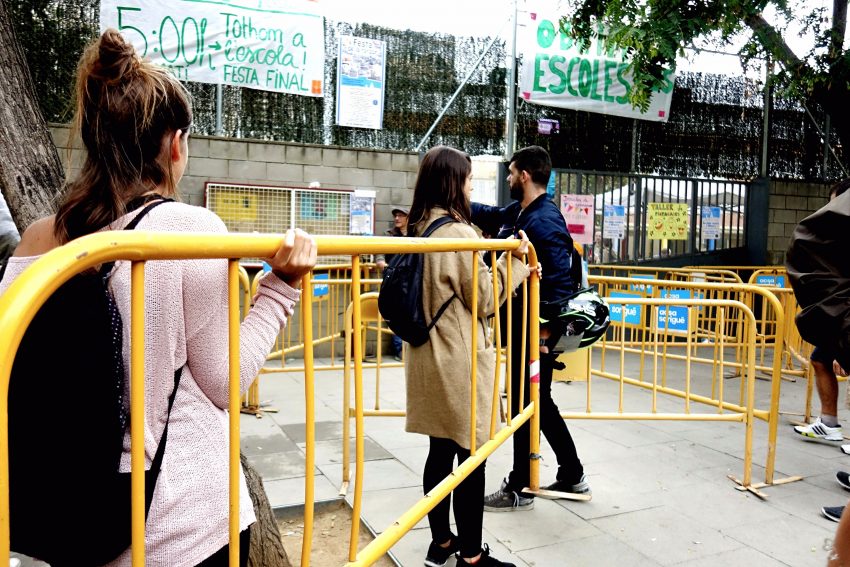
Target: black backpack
{"x":400,"y":298}
{"x":69,"y":505}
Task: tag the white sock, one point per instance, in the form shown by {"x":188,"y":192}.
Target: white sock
{"x":830,"y":420}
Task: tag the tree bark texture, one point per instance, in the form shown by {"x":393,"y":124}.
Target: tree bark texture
{"x":266,"y":546}
{"x":30,"y":170}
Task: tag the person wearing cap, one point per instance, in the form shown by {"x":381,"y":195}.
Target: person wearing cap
{"x":399,"y":228}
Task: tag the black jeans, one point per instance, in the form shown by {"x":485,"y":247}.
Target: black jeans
{"x":221,"y":558}
{"x":552,"y":425}
{"x":468,"y":497}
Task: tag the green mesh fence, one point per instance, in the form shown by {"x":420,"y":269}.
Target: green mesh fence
{"x":714,"y":130}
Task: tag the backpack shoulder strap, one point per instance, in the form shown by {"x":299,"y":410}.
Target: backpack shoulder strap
{"x":437,"y":224}
{"x":434,"y":226}
{"x":105,"y":269}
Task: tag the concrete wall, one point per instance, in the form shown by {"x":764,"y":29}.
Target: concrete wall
{"x":391,"y":174}
{"x":789,"y":203}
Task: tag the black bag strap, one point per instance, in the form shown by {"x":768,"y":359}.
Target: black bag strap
{"x":106,"y":269}
{"x":434,"y":226}
{"x":156,"y":463}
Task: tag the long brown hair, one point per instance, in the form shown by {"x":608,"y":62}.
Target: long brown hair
{"x":440,"y":182}
{"x":126,"y":109}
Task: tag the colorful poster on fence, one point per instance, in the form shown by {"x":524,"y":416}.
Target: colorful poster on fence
{"x":578,"y":214}
{"x":273,"y":46}
{"x":362,"y":205}
{"x":710,"y":223}
{"x":667,"y":221}
{"x":360,"y":82}
{"x":555,"y":72}
{"x":614,"y":221}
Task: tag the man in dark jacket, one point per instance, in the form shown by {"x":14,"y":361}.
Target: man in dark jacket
{"x":536,"y":214}
{"x":817,"y":267}
{"x":399,"y":228}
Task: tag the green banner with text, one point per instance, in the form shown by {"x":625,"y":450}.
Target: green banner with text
{"x":555,"y":72}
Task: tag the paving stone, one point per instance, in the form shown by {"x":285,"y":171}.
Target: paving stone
{"x":290,"y":491}
{"x":547,"y":524}
{"x":330,"y":452}
{"x":601,"y":549}
{"x":276,"y":466}
{"x":378,"y":475}
{"x":666,"y":536}
{"x":792,"y":541}
{"x":324,"y":430}
{"x":743,"y":557}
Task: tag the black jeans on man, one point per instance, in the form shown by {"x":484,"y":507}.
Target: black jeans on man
{"x":552,"y":425}
{"x":468,"y":497}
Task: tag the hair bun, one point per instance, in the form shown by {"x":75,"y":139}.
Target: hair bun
{"x":116,"y":58}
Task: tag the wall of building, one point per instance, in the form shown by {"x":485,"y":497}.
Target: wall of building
{"x":789,"y":203}
{"x":391,"y":174}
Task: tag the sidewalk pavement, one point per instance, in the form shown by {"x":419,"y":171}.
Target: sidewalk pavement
{"x":661,"y":495}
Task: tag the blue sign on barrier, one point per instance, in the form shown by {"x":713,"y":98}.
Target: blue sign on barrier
{"x":627,"y":314}
{"x":772,"y":281}
{"x":674,"y":317}
{"x":643,"y":288}
{"x":320,"y":289}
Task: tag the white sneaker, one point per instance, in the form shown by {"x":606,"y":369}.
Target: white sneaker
{"x":817,"y":431}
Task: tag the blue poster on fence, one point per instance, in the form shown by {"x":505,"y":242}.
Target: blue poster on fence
{"x":772,"y":281}
{"x":643,"y":288}
{"x":320,"y":289}
{"x":674,"y":317}
{"x":627,"y":314}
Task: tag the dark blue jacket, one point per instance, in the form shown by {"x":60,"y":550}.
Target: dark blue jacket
{"x":546,"y":229}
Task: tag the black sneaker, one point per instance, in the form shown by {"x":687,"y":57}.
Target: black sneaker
{"x":832,"y":512}
{"x":438,"y":556}
{"x":505,"y":500}
{"x":581,"y":487}
{"x":486,"y":560}
{"x":843,"y":479}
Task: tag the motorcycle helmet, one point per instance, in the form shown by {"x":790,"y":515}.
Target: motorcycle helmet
{"x":583,"y":316}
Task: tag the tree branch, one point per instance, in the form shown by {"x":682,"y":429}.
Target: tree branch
{"x":839,"y":27}
{"x":773,"y":43}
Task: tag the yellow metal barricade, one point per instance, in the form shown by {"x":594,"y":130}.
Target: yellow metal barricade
{"x":732,"y":330}
{"x":31,"y":289}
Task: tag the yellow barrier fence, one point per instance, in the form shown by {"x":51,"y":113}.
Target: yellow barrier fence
{"x":21,"y":301}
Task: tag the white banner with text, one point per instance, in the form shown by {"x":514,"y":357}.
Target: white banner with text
{"x":274,"y":46}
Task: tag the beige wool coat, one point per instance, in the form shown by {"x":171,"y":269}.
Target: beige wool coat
{"x":439,"y":375}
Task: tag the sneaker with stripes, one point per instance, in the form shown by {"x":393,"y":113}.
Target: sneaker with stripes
{"x":817,"y":431}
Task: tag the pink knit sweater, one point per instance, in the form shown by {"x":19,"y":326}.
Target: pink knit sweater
{"x":186,"y":325}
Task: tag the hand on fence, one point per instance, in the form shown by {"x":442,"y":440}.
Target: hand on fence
{"x":836,"y":368}
{"x":295,"y":257}
{"x":523,"y":247}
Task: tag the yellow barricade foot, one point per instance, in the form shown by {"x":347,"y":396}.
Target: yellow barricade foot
{"x":555,"y":495}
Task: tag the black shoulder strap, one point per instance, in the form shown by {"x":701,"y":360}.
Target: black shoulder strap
{"x":434,"y":226}
{"x":437,"y":224}
{"x":156,"y":463}
{"x":105,"y":269}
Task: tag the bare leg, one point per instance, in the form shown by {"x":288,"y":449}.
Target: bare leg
{"x":827,"y":385}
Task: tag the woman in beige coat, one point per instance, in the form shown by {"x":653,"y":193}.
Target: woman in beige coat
{"x":439,"y":371}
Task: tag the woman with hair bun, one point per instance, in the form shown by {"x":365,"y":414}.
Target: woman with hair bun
{"x":134,"y":119}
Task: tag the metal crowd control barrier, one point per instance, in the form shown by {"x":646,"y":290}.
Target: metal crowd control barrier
{"x":29,"y":291}
{"x":692,"y":273}
{"x":635,"y":332}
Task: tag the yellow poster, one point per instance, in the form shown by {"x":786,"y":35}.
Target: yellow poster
{"x":667,"y":220}
{"x":234,"y":206}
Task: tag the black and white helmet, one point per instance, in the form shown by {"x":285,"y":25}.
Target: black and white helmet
{"x":584,"y":316}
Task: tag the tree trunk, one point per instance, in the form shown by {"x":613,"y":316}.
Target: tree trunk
{"x":30,"y":171}
{"x":266,"y":546}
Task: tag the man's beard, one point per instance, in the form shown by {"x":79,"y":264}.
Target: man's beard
{"x":516,"y":191}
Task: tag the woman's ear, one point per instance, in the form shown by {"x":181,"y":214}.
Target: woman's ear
{"x":177,"y":146}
